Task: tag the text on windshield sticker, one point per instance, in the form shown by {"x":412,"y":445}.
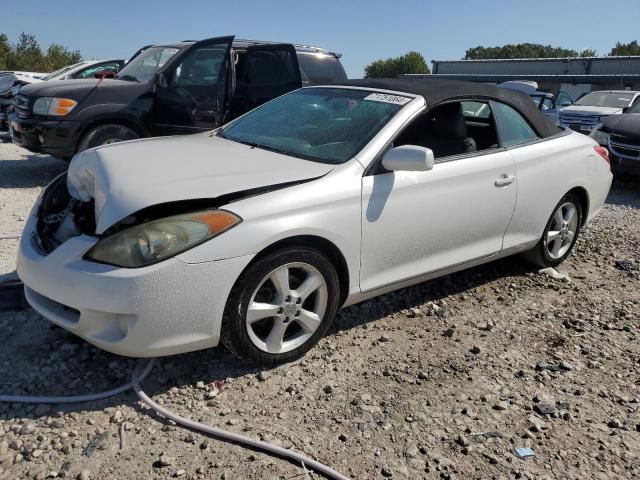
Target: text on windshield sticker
{"x":386,"y":98}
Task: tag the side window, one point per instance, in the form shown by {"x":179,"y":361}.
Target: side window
{"x":200,"y":67}
{"x":476,"y":109}
{"x":514,"y":129}
{"x":563,"y":99}
{"x":320,"y":68}
{"x":547,"y":104}
{"x":269,"y":67}
{"x":452,"y":129}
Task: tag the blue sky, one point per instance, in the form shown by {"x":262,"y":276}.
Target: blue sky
{"x":362,"y":31}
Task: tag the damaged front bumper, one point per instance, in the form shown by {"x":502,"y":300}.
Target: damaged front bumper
{"x":163,"y":309}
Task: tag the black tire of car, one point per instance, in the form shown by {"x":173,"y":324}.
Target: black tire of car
{"x":539,"y":255}
{"x":104,"y":134}
{"x":234,"y":334}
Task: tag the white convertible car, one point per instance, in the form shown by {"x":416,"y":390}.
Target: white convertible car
{"x":254,"y":234}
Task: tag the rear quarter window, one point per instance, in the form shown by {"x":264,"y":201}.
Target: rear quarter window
{"x":320,"y":68}
{"x":514,"y":129}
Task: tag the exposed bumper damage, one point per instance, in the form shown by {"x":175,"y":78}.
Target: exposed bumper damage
{"x":125,"y":311}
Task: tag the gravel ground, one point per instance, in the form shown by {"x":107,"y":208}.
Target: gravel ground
{"x":442,"y":380}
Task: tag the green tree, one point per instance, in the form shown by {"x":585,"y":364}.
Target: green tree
{"x":411,"y":62}
{"x":58,"y":56}
{"x":622,"y":49}
{"x":26,"y":54}
{"x":5,"y":49}
{"x":524,"y":50}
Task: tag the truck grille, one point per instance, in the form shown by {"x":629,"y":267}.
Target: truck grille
{"x":578,"y":120}
{"x":624,"y":147}
{"x":22,"y":105}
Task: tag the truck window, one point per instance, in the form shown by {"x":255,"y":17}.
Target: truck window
{"x":143,"y":67}
{"x":201,"y":67}
{"x":320,"y":68}
{"x":268,"y":68}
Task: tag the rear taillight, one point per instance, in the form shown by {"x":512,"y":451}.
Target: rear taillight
{"x":603,"y":152}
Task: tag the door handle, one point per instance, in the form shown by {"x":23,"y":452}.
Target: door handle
{"x":504,"y":180}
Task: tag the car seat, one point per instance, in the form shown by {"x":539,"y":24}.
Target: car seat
{"x":448,"y":133}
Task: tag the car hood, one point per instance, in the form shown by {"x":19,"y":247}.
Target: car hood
{"x":589,"y":110}
{"x":627,"y":125}
{"x":73,"y":88}
{"x":125,"y":178}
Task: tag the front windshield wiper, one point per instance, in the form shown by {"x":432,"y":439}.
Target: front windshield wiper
{"x":258,"y":145}
{"x":129,"y":78}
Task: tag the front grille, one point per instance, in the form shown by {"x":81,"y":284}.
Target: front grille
{"x":577,"y":119}
{"x":624,"y":147}
{"x":22,"y":105}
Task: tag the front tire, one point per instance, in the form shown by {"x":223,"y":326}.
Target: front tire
{"x":105,"y":135}
{"x":281,"y":306}
{"x":560,"y":234}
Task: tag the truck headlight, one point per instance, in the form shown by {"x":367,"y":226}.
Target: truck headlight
{"x":600,"y":134}
{"x":58,"y":107}
{"x":161,"y":239}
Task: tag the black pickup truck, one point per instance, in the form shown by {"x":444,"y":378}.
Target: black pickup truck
{"x":620,"y":134}
{"x":179,"y":88}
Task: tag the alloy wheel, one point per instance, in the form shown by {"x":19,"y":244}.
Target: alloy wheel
{"x":287,"y":308}
{"x":562,"y":231}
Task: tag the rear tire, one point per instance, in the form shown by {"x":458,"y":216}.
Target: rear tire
{"x":105,"y":135}
{"x":281,"y":306}
{"x":560,"y":234}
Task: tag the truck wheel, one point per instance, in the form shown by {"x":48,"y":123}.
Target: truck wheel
{"x":106,"y":134}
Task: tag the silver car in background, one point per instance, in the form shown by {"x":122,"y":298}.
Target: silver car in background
{"x":594,"y":107}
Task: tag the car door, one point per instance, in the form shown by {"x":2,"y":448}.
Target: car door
{"x":190,"y":91}
{"x":414,"y":223}
{"x":266,"y":72}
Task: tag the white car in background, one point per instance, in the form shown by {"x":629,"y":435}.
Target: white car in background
{"x":254,"y":234}
{"x":28,"y":77}
{"x":80,"y":70}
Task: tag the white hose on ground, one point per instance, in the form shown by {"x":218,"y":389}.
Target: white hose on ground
{"x":78,"y":398}
{"x":139,"y":374}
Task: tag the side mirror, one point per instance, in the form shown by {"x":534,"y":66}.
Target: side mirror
{"x":409,"y":158}
{"x":626,"y":109}
{"x":105,"y":74}
{"x":565,"y":103}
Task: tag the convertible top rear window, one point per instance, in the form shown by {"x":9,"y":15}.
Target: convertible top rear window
{"x":329,"y":125}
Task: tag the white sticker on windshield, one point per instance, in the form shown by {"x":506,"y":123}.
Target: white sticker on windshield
{"x":386,"y":98}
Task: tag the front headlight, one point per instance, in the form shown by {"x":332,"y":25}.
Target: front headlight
{"x":58,"y":107}
{"x":600,"y":134}
{"x":158,"y":240}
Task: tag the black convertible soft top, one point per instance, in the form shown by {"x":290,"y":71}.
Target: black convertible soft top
{"x":436,"y":90}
